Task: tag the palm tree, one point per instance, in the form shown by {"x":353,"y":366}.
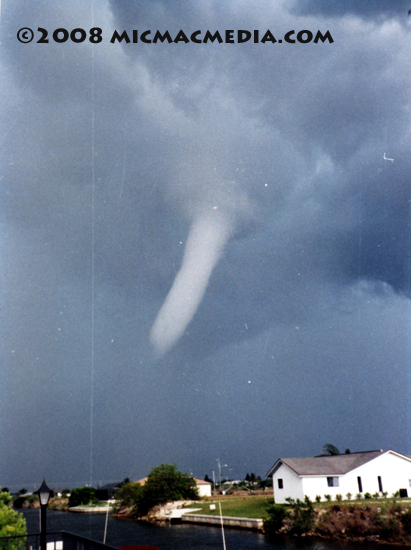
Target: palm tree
{"x":329,"y":449}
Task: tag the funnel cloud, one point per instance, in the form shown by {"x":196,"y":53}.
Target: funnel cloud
{"x":208,"y":235}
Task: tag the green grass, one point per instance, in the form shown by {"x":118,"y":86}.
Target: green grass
{"x":240,"y":507}
{"x":256,"y":506}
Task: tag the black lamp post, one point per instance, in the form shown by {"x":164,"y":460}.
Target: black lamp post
{"x":44,"y":494}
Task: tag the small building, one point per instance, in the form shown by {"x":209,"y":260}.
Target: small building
{"x":366,"y":472}
{"x":204,"y":487}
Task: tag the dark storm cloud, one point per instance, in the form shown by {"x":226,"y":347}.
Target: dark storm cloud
{"x":271,"y":160}
{"x":368,"y":8}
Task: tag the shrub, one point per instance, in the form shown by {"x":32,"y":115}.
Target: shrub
{"x":376,"y":495}
{"x":318,"y":498}
{"x":275,"y":520}
{"x":338,"y":497}
{"x":11,"y":523}
{"x":348,"y":495}
{"x":327,"y":497}
{"x":358,"y":496}
{"x":350,"y":520}
{"x":302,"y":516}
{"x":367,"y":496}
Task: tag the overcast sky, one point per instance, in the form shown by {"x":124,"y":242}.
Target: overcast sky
{"x":205,"y":248}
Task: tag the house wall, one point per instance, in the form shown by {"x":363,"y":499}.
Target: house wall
{"x":204,"y":490}
{"x":394,"y":470}
{"x":292,"y":485}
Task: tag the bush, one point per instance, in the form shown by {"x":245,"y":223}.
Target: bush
{"x":351,"y":520}
{"x":327,"y":497}
{"x":367,"y":496}
{"x":275,"y":520}
{"x":348,"y":495}
{"x":82,"y":496}
{"x":338,"y":497}
{"x":302,"y":516}
{"x":11,"y":523}
{"x":318,"y":498}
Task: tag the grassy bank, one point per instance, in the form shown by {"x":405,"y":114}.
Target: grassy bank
{"x":241,"y":507}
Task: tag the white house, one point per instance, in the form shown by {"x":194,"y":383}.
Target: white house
{"x":367,"y":472}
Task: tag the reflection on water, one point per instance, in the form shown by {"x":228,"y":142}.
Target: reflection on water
{"x":173,"y":537}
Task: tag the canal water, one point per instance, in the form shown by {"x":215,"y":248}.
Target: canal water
{"x":175,"y":537}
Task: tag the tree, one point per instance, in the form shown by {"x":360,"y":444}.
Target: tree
{"x":82,"y":495}
{"x":11,"y":523}
{"x":206,"y":478}
{"x":166,"y":484}
{"x":130,"y":494}
{"x":329,"y":449}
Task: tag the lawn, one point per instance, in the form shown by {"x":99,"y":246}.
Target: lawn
{"x":240,"y":507}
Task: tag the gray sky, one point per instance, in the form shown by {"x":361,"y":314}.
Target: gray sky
{"x":205,"y":247}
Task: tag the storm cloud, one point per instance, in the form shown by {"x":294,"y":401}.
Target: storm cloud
{"x":205,"y":247}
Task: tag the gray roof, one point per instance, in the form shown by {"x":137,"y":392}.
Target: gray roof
{"x":328,"y":465}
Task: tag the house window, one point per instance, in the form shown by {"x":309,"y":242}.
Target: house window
{"x":359,"y":484}
{"x":280,"y":483}
{"x":333,"y":482}
{"x":380,"y":484}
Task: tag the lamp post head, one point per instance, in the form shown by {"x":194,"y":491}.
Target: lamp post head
{"x":44,"y":494}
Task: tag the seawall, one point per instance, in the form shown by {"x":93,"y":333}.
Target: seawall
{"x":240,"y":523}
